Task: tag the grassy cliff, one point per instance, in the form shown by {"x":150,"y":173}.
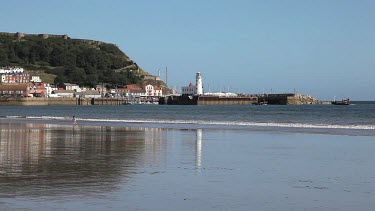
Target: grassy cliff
{"x":62,"y":59}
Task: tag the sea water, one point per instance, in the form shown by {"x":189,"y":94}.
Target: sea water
{"x":355,"y":119}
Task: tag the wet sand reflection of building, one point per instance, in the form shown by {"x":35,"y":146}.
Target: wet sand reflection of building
{"x":198,"y":149}
{"x":71,"y":159}
{"x":27,"y":143}
{"x":191,"y":147}
{"x":155,"y":146}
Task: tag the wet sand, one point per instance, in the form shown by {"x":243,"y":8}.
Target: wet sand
{"x":65,"y":167}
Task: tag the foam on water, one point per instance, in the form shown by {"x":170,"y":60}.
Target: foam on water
{"x":204,"y":122}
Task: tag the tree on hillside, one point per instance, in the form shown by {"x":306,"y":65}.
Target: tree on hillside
{"x":71,"y":61}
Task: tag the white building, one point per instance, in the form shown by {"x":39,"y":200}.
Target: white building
{"x":149,"y":90}
{"x":35,"y":79}
{"x":90,"y":94}
{"x":152,"y":91}
{"x":54,"y":87}
{"x":137,"y":93}
{"x":198,"y":78}
{"x":158,"y":91}
{"x":64,"y":93}
{"x":72,"y":87}
{"x":194,"y":90}
{"x":10,"y":70}
{"x":47,"y":89}
{"x":15,"y":78}
{"x":188,"y":90}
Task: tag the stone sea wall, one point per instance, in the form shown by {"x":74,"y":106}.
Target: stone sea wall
{"x":40,"y":101}
{"x":205,"y":100}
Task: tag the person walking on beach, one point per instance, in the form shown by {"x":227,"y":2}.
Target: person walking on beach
{"x":74,"y":120}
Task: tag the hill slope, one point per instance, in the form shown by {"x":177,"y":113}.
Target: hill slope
{"x":62,"y":59}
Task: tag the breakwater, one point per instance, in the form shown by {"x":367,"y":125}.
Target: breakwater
{"x":212,"y":100}
{"x":207,"y":100}
{"x":41,"y":101}
{"x":289,"y":99}
{"x":271,"y":99}
{"x":179,"y":100}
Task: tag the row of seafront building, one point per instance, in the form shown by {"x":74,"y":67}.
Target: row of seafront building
{"x":16,"y":75}
{"x":17,"y":83}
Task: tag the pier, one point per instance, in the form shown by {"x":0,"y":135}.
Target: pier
{"x":288,"y":99}
{"x":207,"y":100}
{"x":270,"y":99}
{"x":213,"y":100}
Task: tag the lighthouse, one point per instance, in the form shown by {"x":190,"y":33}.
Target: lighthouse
{"x":199,"y":85}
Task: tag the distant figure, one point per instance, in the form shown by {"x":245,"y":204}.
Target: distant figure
{"x":74,"y":120}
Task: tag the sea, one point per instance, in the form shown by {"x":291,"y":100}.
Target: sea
{"x":174,"y":157}
{"x":355,"y":119}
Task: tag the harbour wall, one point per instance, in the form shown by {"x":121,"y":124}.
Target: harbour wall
{"x":289,"y":99}
{"x":41,"y":101}
{"x":206,"y":100}
{"x":271,"y":99}
{"x":179,"y":100}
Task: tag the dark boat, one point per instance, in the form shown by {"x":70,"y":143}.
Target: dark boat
{"x":342,"y":102}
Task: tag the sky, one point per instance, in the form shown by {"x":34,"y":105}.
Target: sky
{"x":323,"y":48}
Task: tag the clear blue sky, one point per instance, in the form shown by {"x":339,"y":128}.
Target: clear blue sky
{"x":324,"y":48}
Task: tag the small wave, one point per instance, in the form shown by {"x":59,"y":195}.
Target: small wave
{"x":18,"y":117}
{"x":232,"y":123}
{"x":48,"y":117}
{"x":203,"y":122}
{"x":37,"y":117}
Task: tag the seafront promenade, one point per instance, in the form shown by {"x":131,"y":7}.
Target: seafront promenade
{"x":44,"y":101}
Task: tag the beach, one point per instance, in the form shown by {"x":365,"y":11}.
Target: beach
{"x":88,"y":167}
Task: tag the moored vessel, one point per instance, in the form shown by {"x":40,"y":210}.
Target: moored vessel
{"x":342,"y":102}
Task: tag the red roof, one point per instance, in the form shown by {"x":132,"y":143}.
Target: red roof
{"x":133,"y":87}
{"x":36,"y":91}
{"x":14,"y":87}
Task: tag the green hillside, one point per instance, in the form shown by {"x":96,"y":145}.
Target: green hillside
{"x":62,"y":59}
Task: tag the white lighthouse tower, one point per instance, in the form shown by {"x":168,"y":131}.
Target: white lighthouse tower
{"x":199,"y":85}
